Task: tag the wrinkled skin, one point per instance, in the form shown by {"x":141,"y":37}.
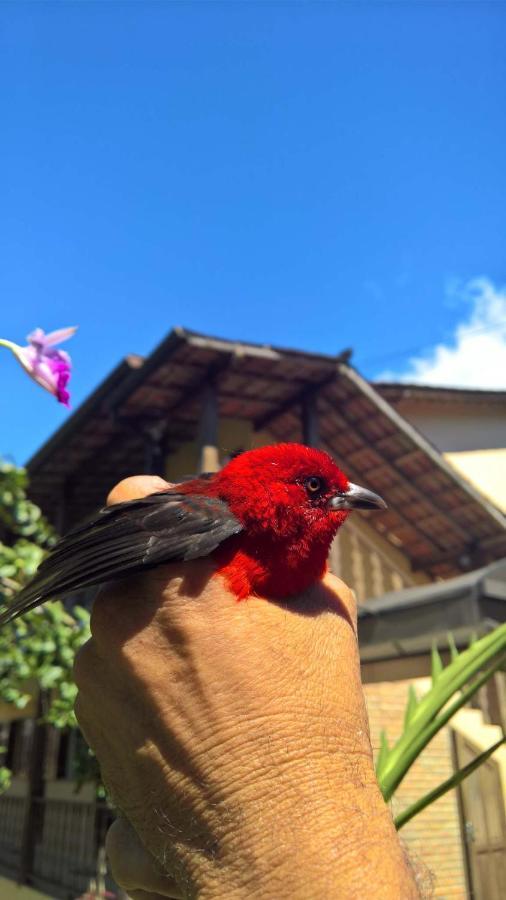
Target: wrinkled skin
{"x":233,"y":738}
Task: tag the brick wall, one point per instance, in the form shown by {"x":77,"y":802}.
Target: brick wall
{"x":433,"y":838}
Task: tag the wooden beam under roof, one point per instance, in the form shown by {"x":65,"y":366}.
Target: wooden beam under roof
{"x":310,"y":425}
{"x":209,"y":457}
{"x":298,"y":398}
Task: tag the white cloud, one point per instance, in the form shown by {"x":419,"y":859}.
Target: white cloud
{"x":476,"y":356}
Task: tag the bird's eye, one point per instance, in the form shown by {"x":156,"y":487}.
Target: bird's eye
{"x":314,"y":486}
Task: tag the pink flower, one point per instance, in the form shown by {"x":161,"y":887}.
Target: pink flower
{"x":47,"y":366}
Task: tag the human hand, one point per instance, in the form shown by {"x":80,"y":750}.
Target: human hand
{"x":233,"y":737}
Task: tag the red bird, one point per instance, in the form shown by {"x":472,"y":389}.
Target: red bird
{"x":267,"y":519}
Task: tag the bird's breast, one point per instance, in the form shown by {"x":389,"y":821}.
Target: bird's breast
{"x":267,"y":568}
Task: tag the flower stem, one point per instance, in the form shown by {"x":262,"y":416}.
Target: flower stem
{"x":9,"y":344}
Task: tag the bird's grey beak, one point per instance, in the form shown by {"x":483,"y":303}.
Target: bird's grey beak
{"x":357,"y":497}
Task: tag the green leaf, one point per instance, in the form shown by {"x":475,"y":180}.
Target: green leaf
{"x":436,"y":664}
{"x":411,"y":706}
{"x":50,"y":676}
{"x":383,"y":752}
{"x":453,"y":648}
{"x":452,"y":782}
{"x":5,"y":779}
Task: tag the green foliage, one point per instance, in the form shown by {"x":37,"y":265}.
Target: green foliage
{"x":410,"y":708}
{"x":38,"y":649}
{"x":436,"y":665}
{"x":452,"y":687}
{"x":19,"y":516}
{"x":450,"y":783}
{"x":5,"y":775}
{"x":384,"y":749}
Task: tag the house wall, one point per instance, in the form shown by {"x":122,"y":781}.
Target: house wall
{"x":485,"y":470}
{"x":458,"y":426}
{"x":368,"y":563}
{"x":233,"y":435}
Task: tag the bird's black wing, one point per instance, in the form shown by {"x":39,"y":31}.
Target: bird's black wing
{"x":127,"y":538}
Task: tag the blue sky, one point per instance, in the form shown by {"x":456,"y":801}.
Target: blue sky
{"x":317,"y":175}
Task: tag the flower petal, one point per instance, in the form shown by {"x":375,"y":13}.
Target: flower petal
{"x":45,"y":376}
{"x":57,"y":337}
{"x":38,"y":337}
{"x":53,"y":353}
{"x":51,"y":370}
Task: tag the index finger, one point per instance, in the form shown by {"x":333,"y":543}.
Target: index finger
{"x":136,"y":486}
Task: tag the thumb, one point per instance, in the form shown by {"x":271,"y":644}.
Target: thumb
{"x":136,"y":486}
